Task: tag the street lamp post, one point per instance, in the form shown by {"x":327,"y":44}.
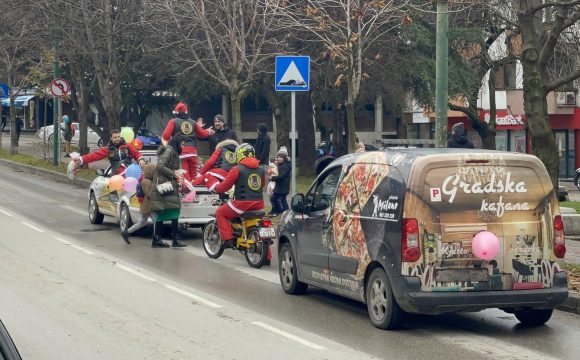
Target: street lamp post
{"x":441,"y":74}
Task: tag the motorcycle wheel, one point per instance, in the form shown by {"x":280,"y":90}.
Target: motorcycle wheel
{"x":212,"y":243}
{"x":256,"y":256}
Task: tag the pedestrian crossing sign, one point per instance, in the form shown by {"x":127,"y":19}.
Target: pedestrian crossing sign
{"x":292,"y":73}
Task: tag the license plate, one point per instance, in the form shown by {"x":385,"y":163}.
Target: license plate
{"x":267,"y":233}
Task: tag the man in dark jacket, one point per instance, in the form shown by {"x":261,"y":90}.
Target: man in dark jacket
{"x":19,"y":126}
{"x":221,"y":133}
{"x":459,"y":137}
{"x":263,"y":146}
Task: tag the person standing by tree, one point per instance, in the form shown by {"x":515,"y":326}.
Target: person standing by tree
{"x":263,"y":146}
{"x":187,"y":129}
{"x":282,"y":180}
{"x":19,"y":124}
{"x":68,"y":133}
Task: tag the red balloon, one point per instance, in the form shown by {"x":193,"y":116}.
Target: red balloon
{"x":137,"y":144}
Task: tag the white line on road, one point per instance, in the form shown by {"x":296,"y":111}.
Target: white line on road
{"x":6,"y":213}
{"x":88,"y":252}
{"x":32,"y":227}
{"x":134,"y":272}
{"x":73,"y":209}
{"x":289,"y":336}
{"x":193,"y":297}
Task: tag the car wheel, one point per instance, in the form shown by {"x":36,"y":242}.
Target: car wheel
{"x":101,"y":142}
{"x":577,"y":180}
{"x":383,"y":310}
{"x":212,"y":243}
{"x":534,"y":317}
{"x":94,"y":215}
{"x":288,"y":272}
{"x":125,"y":221}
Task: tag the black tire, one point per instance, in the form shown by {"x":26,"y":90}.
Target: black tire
{"x":383,"y":310}
{"x":577,"y":181}
{"x":95,"y":216}
{"x":101,"y":142}
{"x":125,"y":221}
{"x":257,"y":255}
{"x":288,"y":272}
{"x":534,"y":317}
{"x":212,"y":242}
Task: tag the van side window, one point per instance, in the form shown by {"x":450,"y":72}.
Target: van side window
{"x":325,"y":190}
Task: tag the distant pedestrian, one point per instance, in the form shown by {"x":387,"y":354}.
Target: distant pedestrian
{"x":263,"y":146}
{"x":222,"y":132}
{"x":19,"y":125}
{"x":68,"y":133}
{"x":359,"y":146}
{"x":4,"y":121}
{"x":459,"y":137}
{"x":282,"y":180}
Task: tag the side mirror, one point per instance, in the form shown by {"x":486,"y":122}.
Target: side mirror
{"x":297,"y":203}
{"x":101,"y":172}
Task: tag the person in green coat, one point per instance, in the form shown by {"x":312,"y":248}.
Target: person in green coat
{"x":167,"y":206}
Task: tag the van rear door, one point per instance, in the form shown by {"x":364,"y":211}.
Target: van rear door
{"x":455,"y":196}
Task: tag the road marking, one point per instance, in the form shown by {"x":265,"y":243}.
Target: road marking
{"x":134,"y":272}
{"x":73,"y":209}
{"x":6,"y":213}
{"x":288,"y":335}
{"x":74,"y":246}
{"x":32,"y":227}
{"x":261,"y":274}
{"x":193,"y":297}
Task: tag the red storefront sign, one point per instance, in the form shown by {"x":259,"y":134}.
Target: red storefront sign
{"x":505,"y":121}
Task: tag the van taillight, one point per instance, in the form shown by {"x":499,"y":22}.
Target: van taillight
{"x":410,"y":240}
{"x":559,"y":240}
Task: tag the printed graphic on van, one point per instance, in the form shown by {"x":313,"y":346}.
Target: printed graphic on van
{"x":455,"y":200}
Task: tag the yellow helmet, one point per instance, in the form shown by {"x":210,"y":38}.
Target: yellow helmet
{"x":243,"y":151}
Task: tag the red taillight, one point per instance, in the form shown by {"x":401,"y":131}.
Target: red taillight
{"x":266,"y":222}
{"x":559,"y":240}
{"x":410,"y":240}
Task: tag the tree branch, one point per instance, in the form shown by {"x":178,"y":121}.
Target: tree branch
{"x":533,"y":10}
{"x":554,"y":84}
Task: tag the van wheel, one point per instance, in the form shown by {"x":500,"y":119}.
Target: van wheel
{"x":95,"y":216}
{"x":288,"y":272}
{"x":383,"y":310}
{"x":534,"y":317}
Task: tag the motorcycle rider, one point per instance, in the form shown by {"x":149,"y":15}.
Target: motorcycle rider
{"x":219,"y":164}
{"x":248,"y":178}
{"x":187,"y":128}
{"x":117,"y":151}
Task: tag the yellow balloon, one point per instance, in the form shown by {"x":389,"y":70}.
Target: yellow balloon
{"x":116,"y":182}
{"x":128,"y":134}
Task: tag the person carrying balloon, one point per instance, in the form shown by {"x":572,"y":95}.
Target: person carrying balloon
{"x":216,"y":168}
{"x":188,"y":129}
{"x":144,"y":209}
{"x":118,"y":151}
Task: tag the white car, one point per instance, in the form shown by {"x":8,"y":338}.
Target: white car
{"x":46,"y":133}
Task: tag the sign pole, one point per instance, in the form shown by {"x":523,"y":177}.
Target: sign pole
{"x":293,"y":110}
{"x":56,"y":102}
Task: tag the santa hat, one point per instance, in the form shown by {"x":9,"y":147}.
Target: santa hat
{"x":180,"y":108}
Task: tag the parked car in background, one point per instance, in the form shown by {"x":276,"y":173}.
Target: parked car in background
{"x":47,"y":133}
{"x":148,"y":139}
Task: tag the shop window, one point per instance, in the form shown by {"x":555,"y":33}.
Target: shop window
{"x":510,"y":76}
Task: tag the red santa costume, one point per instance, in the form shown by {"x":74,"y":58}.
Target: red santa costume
{"x":119,"y":156}
{"x":249,"y":180}
{"x":219,"y":165}
{"x":188,"y":129}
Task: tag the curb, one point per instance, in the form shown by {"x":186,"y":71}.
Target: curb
{"x":572,"y":304}
{"x":51,"y":175}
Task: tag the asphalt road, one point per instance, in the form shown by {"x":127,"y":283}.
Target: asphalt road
{"x":72,"y":290}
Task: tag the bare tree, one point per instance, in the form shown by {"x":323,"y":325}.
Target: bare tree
{"x":347,"y":29}
{"x":20,"y":51}
{"x":225,"y":39}
{"x":545,"y":27}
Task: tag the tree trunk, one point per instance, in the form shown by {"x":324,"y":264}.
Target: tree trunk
{"x":350,"y":126}
{"x":305,"y":129}
{"x":280,"y":111}
{"x":236,"y":114}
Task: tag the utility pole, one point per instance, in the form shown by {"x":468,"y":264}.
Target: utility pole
{"x":56,"y":107}
{"x":441,"y":74}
